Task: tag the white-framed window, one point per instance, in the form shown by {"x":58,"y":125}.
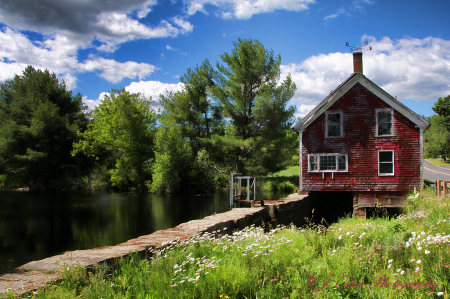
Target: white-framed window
{"x":385,"y":122}
{"x":334,"y":124}
{"x":385,"y":163}
{"x":328,"y":162}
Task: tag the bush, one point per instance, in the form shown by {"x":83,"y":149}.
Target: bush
{"x":280,"y":183}
{"x":427,"y":182}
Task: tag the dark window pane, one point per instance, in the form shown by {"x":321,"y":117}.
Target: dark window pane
{"x":386,"y":156}
{"x":327,"y":162}
{"x":334,"y":125}
{"x":386,"y":168}
{"x":342,"y":165}
{"x":334,"y":131}
{"x":384,"y":116}
{"x":334,"y":119}
{"x":384,"y":129}
{"x":384,"y":122}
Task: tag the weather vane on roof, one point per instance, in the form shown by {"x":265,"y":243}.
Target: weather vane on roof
{"x":360,"y":48}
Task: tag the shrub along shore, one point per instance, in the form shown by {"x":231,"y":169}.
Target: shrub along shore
{"x":403,"y":257}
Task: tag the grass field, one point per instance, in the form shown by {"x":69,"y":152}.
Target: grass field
{"x":284,"y":180}
{"x":290,"y":171}
{"x":405,"y":257}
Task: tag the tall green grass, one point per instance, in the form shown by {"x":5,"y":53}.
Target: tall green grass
{"x":406,"y":257}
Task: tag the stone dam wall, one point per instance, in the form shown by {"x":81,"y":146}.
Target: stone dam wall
{"x":33,"y":275}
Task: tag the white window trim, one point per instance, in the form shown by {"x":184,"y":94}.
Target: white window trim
{"x":337,"y":162}
{"x":326,"y":124}
{"x":393,"y":163}
{"x":376,"y":120}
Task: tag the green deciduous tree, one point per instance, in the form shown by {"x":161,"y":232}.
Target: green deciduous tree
{"x":120,"y":136}
{"x":192,"y":108}
{"x":177,"y":168}
{"x":256,"y":103}
{"x":442,"y":107}
{"x":437,"y":138}
{"x":173,"y":160}
{"x":39,"y":121}
{"x":189,"y":118}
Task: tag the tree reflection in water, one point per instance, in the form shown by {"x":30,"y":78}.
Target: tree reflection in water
{"x":36,"y":225}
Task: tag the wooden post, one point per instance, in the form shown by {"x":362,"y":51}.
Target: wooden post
{"x":231,"y":192}
{"x":254,"y":188}
{"x":248,"y":188}
{"x":240,"y":187}
{"x":232,"y":189}
{"x":438,"y":188}
{"x":445,"y":187}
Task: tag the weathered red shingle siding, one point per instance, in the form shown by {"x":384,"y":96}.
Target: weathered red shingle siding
{"x":361,"y":144}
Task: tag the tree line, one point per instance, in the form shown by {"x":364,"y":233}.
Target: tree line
{"x":437,"y":137}
{"x":231,"y":118}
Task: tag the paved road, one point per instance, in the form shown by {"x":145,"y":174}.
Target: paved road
{"x":433,"y":172}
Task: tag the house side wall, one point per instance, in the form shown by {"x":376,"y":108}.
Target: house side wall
{"x":359,"y":141}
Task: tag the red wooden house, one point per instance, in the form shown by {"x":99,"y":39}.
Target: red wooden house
{"x":363,"y":140}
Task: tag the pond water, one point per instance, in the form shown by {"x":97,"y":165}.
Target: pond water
{"x":36,"y":225}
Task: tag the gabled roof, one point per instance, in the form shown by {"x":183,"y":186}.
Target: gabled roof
{"x":372,"y":87}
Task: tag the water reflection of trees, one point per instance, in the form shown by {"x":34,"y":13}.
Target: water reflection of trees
{"x":36,"y":225}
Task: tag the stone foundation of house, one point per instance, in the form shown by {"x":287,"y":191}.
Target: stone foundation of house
{"x":377,"y":199}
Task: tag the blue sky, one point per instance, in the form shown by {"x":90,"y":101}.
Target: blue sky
{"x":145,"y":45}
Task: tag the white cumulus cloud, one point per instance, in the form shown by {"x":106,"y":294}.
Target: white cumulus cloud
{"x":149,"y":89}
{"x":65,"y":27}
{"x":58,"y":55}
{"x":245,"y":9}
{"x":18,"y":49}
{"x":92,"y":104}
{"x":11,"y":69}
{"x":154,"y":89}
{"x":408,"y":68}
{"x":114,"y":71}
{"x":81,"y":22}
{"x":117,"y":28}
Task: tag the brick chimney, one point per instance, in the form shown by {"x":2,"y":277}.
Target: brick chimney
{"x":357,"y":62}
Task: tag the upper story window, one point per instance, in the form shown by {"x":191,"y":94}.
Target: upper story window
{"x":385,"y":122}
{"x":328,"y":162}
{"x":334,"y":123}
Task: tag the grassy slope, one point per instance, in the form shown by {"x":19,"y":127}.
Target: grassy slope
{"x":290,"y":171}
{"x":438,"y":161}
{"x":407,"y":257}
{"x":287,"y":180}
